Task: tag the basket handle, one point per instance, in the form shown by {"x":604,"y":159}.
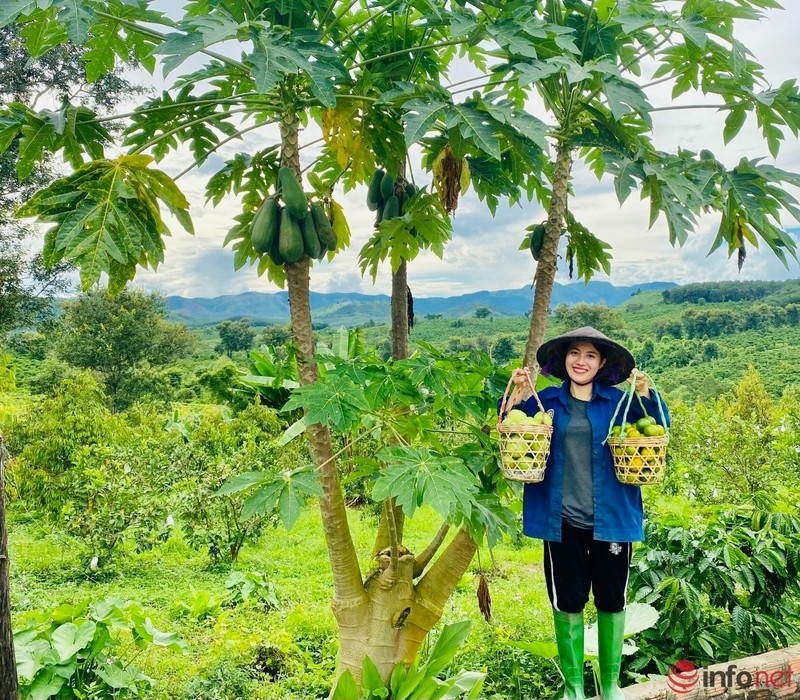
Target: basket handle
{"x":505,"y":398}
{"x":627,"y":397}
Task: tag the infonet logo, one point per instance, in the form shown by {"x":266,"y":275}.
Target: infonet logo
{"x":684,"y":677}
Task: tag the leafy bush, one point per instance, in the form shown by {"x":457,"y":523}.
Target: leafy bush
{"x":217,"y":450}
{"x":728,"y":449}
{"x":250,"y":588}
{"x":47,"y":440}
{"x":421,"y":679}
{"x":76,"y":651}
{"x":727,"y":585}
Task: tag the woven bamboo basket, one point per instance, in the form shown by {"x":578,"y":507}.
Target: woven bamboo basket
{"x":639,"y":460}
{"x":524,"y":449}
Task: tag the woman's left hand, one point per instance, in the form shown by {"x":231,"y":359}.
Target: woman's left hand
{"x":640,"y":380}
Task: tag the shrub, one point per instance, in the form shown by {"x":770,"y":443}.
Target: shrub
{"x":216,"y":450}
{"x":77,"y":651}
{"x":726,"y":586}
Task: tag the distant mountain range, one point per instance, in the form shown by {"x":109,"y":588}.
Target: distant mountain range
{"x":345,"y":308}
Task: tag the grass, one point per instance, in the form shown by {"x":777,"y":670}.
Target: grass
{"x":301,"y":633}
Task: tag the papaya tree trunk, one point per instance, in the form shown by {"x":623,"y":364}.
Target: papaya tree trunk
{"x":387,"y":617}
{"x":400,"y":312}
{"x":347,"y":581}
{"x":548,"y":260}
{"x":8,"y":668}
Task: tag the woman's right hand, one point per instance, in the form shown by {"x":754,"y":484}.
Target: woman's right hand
{"x":521,"y":377}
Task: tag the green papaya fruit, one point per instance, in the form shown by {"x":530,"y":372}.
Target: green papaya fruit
{"x":311,"y":241}
{"x":275,"y":253}
{"x":411,"y":189}
{"x":264,"y":226}
{"x":402,"y":198}
{"x":391,"y":209}
{"x":290,"y":238}
{"x":327,"y":236}
{"x":537,"y":240}
{"x":374,"y":199}
{"x":387,"y":186}
{"x":293,"y":196}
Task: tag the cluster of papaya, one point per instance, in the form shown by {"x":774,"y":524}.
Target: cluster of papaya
{"x":387,"y":197}
{"x":286,"y":226}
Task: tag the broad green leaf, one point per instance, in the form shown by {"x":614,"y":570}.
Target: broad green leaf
{"x":295,"y":429}
{"x":548,"y":650}
{"x":420,"y":116}
{"x":42,"y":35}
{"x":625,"y":97}
{"x":68,"y":639}
{"x":46,"y":685}
{"x":337,"y":402}
{"x":242,"y":482}
{"x":346,"y":688}
{"x":11,"y":9}
{"x":474,"y":126}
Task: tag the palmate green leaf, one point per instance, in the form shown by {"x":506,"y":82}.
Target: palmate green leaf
{"x":591,"y":254}
{"x":421,"y":116}
{"x":475,"y":126}
{"x":276,"y":55}
{"x":283,"y":494}
{"x":107,"y":217}
{"x":423,"y":226}
{"x":337,"y":402}
{"x":625,"y":97}
{"x":415,"y":476}
{"x":43,"y":34}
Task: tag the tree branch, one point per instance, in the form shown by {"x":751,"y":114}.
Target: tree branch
{"x":411,"y":49}
{"x":674,"y":107}
{"x":424,"y":559}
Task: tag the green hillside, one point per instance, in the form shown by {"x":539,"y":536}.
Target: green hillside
{"x":690,"y":366}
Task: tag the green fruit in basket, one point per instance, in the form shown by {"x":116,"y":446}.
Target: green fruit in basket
{"x":642,"y":423}
{"x":543,"y":418}
{"x":516,"y":417}
{"x":517,"y":447}
{"x":654,"y":430}
{"x":615,"y":431}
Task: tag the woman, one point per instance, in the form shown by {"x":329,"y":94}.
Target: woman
{"x":587,"y":519}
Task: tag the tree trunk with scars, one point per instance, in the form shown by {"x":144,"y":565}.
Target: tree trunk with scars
{"x":388,"y":616}
{"x":548,"y":260}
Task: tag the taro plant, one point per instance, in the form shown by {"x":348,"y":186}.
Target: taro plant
{"x":83,"y":650}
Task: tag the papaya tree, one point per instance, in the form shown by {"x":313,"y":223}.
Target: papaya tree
{"x":593,"y":66}
{"x":364,"y":73}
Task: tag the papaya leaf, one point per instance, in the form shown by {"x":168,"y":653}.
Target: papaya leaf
{"x":107,"y":217}
{"x":415,"y":476}
{"x":337,"y":401}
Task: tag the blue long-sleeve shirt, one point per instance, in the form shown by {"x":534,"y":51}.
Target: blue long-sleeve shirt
{"x":618,"y":511}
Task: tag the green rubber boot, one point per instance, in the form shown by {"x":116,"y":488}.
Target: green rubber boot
{"x":569,"y":638}
{"x":610,"y":630}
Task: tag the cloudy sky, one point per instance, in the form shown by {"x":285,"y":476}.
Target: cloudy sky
{"x":483,"y":253}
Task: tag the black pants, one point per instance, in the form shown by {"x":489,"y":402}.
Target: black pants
{"x":579,"y":563}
